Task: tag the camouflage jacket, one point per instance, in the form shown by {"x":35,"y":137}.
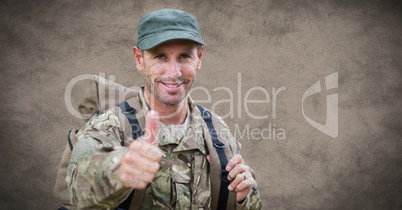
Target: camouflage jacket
{"x":183,"y":182}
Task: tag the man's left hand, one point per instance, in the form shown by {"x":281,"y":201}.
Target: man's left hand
{"x":240,"y":176}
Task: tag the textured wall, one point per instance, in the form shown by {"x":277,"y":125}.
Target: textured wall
{"x":270,"y":44}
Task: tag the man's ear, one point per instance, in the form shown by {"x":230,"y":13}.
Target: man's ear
{"x":139,"y":60}
{"x":200,"y":52}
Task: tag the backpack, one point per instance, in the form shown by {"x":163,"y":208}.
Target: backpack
{"x":116,"y":97}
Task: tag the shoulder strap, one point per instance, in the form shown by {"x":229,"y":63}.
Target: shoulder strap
{"x":132,"y":202}
{"x":220,"y":149}
{"x":69,"y":140}
{"x":129,"y":112}
{"x":72,"y":139}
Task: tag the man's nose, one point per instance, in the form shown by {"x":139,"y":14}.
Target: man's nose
{"x":173,"y":68}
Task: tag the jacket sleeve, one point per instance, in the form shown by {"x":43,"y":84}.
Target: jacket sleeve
{"x":93,"y":171}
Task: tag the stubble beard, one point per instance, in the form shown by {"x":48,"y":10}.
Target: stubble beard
{"x":160,"y":97}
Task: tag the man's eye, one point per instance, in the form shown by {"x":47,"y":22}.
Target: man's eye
{"x":184,"y":56}
{"x":160,"y":57}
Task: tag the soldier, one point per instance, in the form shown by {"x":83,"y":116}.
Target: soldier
{"x":173,"y":164}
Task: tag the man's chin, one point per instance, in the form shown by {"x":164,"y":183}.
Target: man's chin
{"x":171,"y":102}
{"x":169,"y":98}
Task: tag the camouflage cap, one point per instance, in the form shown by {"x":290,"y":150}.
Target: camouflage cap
{"x":164,"y":25}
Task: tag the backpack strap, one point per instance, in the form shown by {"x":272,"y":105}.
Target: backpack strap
{"x":129,"y":112}
{"x":70,"y":143}
{"x":134,"y":200}
{"x":220,"y":149}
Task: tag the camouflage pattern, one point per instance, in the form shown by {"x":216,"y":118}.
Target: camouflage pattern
{"x":92,"y":174}
{"x":183,"y":182}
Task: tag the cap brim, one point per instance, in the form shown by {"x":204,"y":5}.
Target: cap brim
{"x":154,"y":40}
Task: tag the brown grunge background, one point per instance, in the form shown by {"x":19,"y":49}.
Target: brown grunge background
{"x":268,"y":44}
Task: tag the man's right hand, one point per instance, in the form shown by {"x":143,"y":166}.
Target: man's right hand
{"x":141,"y":161}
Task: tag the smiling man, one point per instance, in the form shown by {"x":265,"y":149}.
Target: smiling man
{"x":179,"y":161}
{"x":170,"y":70}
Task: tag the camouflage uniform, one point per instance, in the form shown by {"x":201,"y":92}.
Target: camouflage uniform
{"x":183,"y":182}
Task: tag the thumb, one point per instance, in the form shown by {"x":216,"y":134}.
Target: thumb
{"x":151,"y":127}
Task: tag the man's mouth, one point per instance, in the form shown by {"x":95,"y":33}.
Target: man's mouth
{"x":172,"y":85}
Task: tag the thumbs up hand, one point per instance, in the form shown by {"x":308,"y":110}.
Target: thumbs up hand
{"x":141,"y":160}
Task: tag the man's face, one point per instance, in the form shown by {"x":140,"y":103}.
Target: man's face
{"x":170,"y":69}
